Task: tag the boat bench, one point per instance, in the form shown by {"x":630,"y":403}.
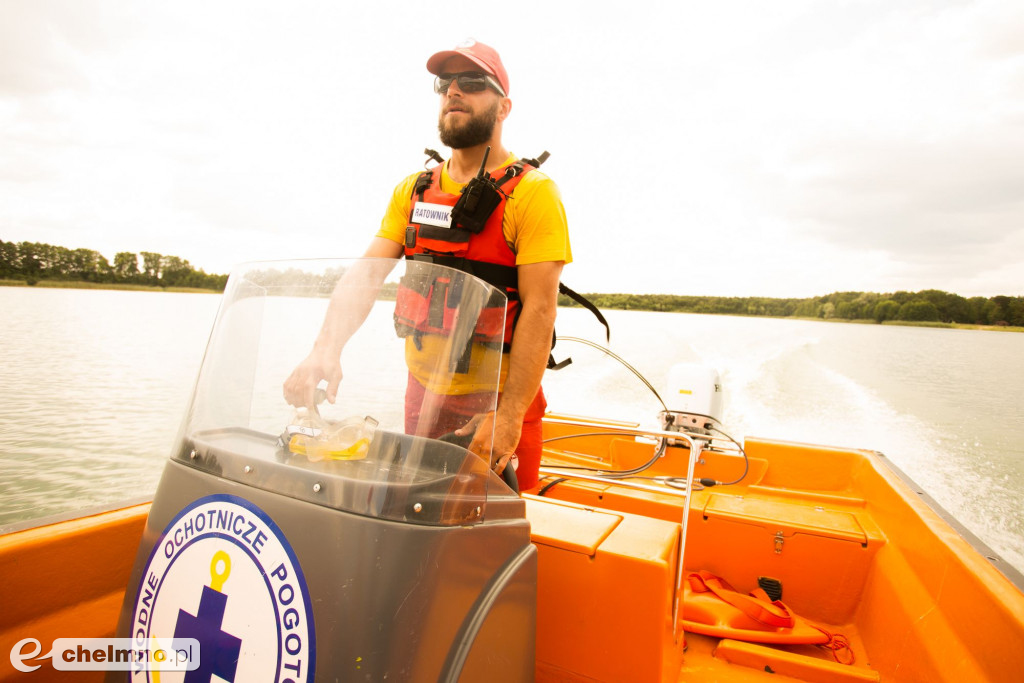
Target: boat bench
{"x":605,"y":586}
{"x":821,"y":548}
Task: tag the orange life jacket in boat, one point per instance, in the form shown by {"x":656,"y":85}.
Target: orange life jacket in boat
{"x":712,"y":607}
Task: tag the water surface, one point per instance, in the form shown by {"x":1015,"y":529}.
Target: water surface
{"x":95,"y":384}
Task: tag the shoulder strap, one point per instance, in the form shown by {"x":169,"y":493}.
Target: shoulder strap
{"x":522,"y":166}
{"x":538,"y":161}
{"x":423,"y":183}
{"x":587,"y":304}
{"x":432,"y":155}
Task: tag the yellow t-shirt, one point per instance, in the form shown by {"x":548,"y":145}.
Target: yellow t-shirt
{"x":534,"y":222}
{"x":535,"y":229}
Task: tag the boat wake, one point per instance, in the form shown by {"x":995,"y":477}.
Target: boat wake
{"x":792,"y":396}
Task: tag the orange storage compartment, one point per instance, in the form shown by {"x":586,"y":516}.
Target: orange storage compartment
{"x":605,"y":587}
{"x":822,"y":556}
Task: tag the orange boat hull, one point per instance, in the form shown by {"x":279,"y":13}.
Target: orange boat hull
{"x":854,"y":547}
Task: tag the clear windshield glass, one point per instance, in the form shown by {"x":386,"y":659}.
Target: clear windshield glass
{"x":408,"y":351}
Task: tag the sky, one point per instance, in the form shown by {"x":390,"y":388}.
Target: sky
{"x":728,"y":148}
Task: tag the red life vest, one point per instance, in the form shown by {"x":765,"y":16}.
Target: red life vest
{"x":433,"y":236}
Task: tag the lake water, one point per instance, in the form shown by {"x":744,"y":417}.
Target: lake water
{"x":95,"y":384}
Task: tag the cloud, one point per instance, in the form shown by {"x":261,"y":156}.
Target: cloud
{"x":786,"y":149}
{"x":875,"y":133}
{"x":913,"y":197}
{"x":44,"y":44}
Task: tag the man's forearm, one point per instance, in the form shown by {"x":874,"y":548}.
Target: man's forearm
{"x":531,"y":342}
{"x":531,"y":346}
{"x":354,"y":296}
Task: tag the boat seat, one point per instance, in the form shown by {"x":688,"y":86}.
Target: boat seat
{"x":605,"y":587}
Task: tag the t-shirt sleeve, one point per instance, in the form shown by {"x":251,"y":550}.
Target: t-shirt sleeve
{"x":538,"y":231}
{"x":396,"y":217}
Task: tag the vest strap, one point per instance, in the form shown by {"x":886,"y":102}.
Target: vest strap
{"x":557,"y":365}
{"x":423,"y":183}
{"x":502,"y":277}
{"x":587,"y":304}
{"x":454,"y":235}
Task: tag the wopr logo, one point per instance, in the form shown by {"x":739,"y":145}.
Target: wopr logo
{"x":224,"y":575}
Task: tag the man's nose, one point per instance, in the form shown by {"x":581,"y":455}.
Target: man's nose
{"x":453,"y":88}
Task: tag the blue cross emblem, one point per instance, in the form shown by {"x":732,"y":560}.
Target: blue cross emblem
{"x":218,"y":650}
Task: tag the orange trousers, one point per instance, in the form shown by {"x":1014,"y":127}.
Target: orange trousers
{"x":450,"y":412}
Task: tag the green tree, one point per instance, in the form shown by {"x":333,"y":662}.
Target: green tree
{"x":977,"y":309}
{"x":126,"y":266}
{"x":85,"y":264}
{"x":919,"y":310}
{"x":1015,"y":311}
{"x":151,"y":267}
{"x":808,"y":308}
{"x":174,"y":271}
{"x":32,"y":265}
{"x":8,"y":259}
{"x":886,"y":310}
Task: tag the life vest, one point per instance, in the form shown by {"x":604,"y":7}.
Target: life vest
{"x":433,"y":235}
{"x":712,"y":607}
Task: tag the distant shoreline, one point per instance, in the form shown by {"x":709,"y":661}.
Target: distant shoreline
{"x":124,"y":286}
{"x":899,"y":323}
{"x":78,"y":284}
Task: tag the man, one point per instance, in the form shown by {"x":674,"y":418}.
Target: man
{"x":526,"y":235}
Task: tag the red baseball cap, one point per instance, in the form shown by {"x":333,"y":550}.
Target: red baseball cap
{"x":484,"y":56}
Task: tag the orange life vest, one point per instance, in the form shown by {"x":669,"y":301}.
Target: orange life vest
{"x":714,"y":608}
{"x":434,"y":236}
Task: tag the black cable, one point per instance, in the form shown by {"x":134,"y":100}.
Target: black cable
{"x":672,"y":482}
{"x":614,"y":474}
{"x":743,"y":452}
{"x":662,"y":444}
{"x":547,"y":486}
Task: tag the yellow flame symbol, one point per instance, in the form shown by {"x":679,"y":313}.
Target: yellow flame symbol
{"x":217,"y":578}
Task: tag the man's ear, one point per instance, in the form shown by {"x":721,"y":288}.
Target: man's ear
{"x":504,"y":108}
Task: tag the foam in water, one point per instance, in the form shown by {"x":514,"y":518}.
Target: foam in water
{"x":790,"y":396}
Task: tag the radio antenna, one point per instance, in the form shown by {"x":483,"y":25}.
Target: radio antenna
{"x":483,"y":164}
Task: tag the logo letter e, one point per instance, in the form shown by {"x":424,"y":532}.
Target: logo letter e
{"x":18,"y":657}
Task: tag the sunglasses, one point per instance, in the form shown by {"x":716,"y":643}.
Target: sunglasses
{"x":469,"y":82}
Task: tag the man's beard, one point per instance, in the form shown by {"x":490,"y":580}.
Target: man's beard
{"x":476,"y":131}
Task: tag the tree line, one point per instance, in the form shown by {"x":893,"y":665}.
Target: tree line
{"x":35,"y":261}
{"x":926,"y":306}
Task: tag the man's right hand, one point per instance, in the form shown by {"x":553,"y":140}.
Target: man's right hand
{"x":300,"y":387}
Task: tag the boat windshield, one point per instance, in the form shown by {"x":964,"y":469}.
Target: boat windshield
{"x":408,"y":351}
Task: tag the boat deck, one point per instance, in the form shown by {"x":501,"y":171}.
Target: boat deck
{"x":856,"y":551}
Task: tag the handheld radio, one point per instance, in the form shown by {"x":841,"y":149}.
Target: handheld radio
{"x":480,"y":197}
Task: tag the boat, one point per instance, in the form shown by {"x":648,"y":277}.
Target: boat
{"x":333,"y":543}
